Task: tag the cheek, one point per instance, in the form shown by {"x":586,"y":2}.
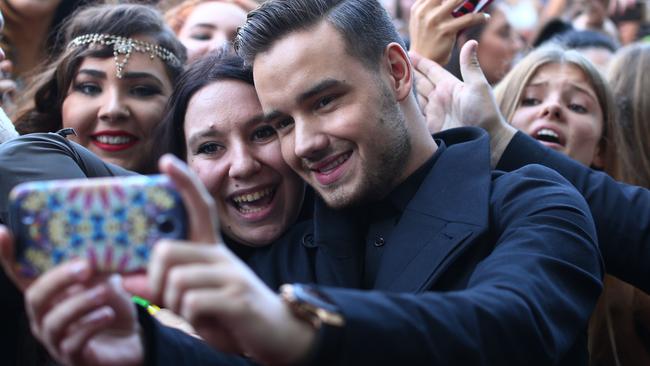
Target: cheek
{"x":587,"y":133}
{"x":522,"y":118}
{"x":210,"y":173}
{"x":79,"y":115}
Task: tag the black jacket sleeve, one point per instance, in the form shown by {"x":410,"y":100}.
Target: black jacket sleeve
{"x":621,"y":212}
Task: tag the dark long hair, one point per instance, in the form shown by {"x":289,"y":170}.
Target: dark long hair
{"x":220,"y":64}
{"x":39,"y":108}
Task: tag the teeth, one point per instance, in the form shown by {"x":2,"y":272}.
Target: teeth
{"x":252,"y":197}
{"x":547,"y":132}
{"x":334,"y":164}
{"x":113,"y":140}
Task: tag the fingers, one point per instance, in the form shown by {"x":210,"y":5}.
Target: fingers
{"x":55,"y":323}
{"x":470,"y":68}
{"x":191,"y":277}
{"x":87,"y":327}
{"x":432,"y":70}
{"x":201,"y":210}
{"x":39,"y":295}
{"x":466,"y":21}
{"x":168,"y":254}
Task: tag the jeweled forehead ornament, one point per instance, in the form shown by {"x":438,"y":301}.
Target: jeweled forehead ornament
{"x":123,"y":47}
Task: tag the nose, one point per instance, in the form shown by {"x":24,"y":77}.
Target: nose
{"x":309,"y":140}
{"x":114,"y":107}
{"x":243,"y":163}
{"x":552,"y":109}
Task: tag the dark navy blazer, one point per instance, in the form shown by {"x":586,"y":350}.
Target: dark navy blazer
{"x":621,"y":212}
{"x":487,"y":268}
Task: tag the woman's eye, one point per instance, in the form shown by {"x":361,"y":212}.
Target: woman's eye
{"x":264,"y":133}
{"x":88,"y":88}
{"x":209,"y":148}
{"x":145,"y":90}
{"x":529,"y":101}
{"x":577,"y":108}
{"x":201,"y":36}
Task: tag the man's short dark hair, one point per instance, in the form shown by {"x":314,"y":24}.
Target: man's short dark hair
{"x":364,"y":24}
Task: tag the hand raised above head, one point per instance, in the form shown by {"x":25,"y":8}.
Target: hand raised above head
{"x":453,"y":103}
{"x":433,"y":30}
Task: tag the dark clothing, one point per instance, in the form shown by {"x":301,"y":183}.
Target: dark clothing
{"x":486,"y":268}
{"x":381,"y":218}
{"x":490,"y":268}
{"x":621,"y":212}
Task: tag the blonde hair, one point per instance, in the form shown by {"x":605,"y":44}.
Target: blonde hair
{"x":629,"y":78}
{"x":176,"y":16}
{"x":510,"y":90}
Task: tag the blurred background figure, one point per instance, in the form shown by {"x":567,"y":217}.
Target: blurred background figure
{"x":7,"y":130}
{"x":29,"y":38}
{"x":205,"y":25}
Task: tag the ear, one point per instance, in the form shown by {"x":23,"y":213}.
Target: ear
{"x":400,"y":70}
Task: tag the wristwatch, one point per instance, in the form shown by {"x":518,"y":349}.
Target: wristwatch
{"x":309,"y":305}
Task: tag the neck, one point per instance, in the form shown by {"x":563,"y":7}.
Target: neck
{"x":422,"y":144}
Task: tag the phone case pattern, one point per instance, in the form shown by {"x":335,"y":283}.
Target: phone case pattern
{"x":112,"y":225}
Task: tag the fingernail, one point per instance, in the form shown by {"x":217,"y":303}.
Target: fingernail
{"x":116,"y":281}
{"x":79,"y":269}
{"x":487,"y":16}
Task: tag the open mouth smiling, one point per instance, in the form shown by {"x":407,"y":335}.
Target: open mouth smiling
{"x":254,"y":202}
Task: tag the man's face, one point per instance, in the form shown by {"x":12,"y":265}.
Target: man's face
{"x":339,"y":123}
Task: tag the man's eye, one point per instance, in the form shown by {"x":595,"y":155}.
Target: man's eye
{"x":88,"y":88}
{"x":209,"y":148}
{"x":145,"y":90}
{"x":324,"y":102}
{"x":264,"y":133}
{"x":529,"y":102}
{"x":577,"y":108}
{"x":284,"y":123}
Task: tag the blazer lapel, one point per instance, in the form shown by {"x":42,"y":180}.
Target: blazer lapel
{"x":449,"y":210}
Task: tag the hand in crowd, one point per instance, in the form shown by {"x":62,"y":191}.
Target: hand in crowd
{"x":204,"y":282}
{"x":433,"y":30}
{"x":448,"y":102}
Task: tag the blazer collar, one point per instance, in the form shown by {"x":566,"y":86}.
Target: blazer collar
{"x":451,"y":204}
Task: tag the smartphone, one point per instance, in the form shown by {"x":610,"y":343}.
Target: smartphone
{"x":470,"y":6}
{"x":112,"y":222}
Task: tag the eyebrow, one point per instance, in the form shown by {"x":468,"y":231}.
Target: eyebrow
{"x":211,"y":132}
{"x":310,"y":93}
{"x":129,"y":75}
{"x":573,"y":86}
{"x":204,"y":25}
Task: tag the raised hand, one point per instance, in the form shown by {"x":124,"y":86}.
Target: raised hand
{"x":205,"y":283}
{"x":448,"y":102}
{"x":433,"y":30}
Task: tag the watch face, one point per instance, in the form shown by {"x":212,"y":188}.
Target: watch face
{"x":310,"y":305}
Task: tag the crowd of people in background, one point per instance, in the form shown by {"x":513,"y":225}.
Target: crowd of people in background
{"x":231,"y":89}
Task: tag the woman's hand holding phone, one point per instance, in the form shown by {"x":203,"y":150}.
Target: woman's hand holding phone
{"x":433,"y":28}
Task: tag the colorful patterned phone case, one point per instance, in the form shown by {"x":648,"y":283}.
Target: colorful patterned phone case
{"x":113,"y":222}
{"x":470,"y":6}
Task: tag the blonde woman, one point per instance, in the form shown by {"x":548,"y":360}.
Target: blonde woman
{"x":559,"y":98}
